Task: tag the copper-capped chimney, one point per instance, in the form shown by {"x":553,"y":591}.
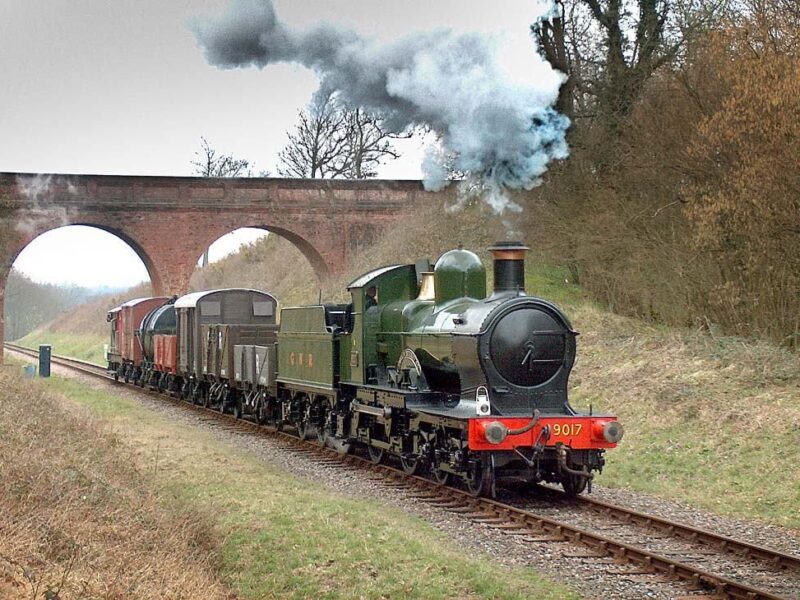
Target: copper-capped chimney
{"x":509,"y":267}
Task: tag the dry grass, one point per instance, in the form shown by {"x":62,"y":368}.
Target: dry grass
{"x":78,"y":520}
{"x":287,"y":537}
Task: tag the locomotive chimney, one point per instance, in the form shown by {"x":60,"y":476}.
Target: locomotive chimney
{"x":509,"y":267}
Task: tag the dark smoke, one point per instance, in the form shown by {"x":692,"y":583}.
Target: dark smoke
{"x":493,"y":125}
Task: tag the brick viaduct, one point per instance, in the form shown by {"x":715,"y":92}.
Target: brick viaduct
{"x":170,"y":221}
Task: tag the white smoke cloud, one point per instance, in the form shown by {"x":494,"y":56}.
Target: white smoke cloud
{"x":38,"y":190}
{"x":494,"y":122}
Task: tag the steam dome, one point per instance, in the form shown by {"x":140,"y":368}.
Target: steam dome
{"x":459,"y":273}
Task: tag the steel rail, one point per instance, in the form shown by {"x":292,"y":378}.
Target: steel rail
{"x":693,"y":534}
{"x":503,"y":515}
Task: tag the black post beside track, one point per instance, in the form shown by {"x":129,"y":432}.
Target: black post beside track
{"x":504,"y":516}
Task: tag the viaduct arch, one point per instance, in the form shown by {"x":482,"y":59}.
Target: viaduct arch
{"x":170,"y":221}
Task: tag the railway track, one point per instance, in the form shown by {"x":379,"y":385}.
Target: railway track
{"x":516,"y":519}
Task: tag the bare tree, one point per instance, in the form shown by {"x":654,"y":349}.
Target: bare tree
{"x":210,"y":163}
{"x":332,"y":140}
{"x":318,"y":146}
{"x":368,"y":143}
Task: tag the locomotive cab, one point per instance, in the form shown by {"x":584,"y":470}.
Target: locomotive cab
{"x":364,"y":351}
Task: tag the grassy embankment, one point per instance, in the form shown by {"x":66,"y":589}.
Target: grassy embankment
{"x":84,"y":346}
{"x":277,"y":536}
{"x":712,"y":421}
{"x":83,"y":331}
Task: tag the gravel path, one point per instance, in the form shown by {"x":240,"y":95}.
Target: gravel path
{"x":590,"y":576}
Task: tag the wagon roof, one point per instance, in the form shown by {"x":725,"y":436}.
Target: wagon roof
{"x":191,"y":300}
{"x":136,"y":301}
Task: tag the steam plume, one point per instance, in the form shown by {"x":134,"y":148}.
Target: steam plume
{"x":38,"y":191}
{"x":495,"y":126}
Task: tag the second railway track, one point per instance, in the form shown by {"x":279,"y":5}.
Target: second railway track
{"x":709,"y":562}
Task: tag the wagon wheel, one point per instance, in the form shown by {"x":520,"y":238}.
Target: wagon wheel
{"x":197,"y":394}
{"x":327,"y":438}
{"x":305,"y":428}
{"x":323,"y":429}
{"x":261,"y":410}
{"x":221,"y":403}
{"x":237,"y":408}
{"x":375,"y":454}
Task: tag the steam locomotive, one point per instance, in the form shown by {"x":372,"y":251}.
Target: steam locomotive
{"x":422,"y":366}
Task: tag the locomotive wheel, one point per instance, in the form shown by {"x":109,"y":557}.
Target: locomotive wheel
{"x":441,"y":477}
{"x":410,"y":464}
{"x":375,"y":455}
{"x":481,"y":483}
{"x":573,"y":484}
{"x":341,"y":446}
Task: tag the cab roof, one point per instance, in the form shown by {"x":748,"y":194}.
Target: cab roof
{"x":367,"y":277}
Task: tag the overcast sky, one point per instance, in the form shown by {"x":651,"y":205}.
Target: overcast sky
{"x":120,"y":87}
